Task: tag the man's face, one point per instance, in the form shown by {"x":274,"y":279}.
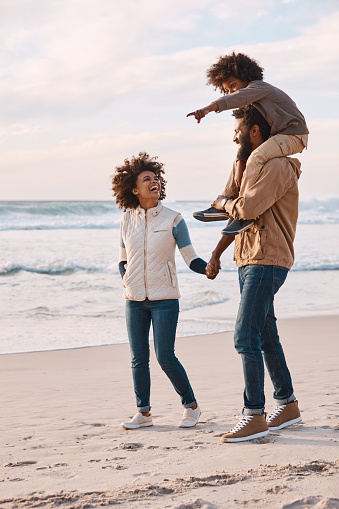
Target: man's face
{"x":243,"y":139}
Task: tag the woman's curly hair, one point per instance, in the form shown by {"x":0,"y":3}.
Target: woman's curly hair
{"x":125,"y":178}
{"x":238,"y":65}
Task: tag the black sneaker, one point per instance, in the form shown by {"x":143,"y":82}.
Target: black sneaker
{"x":211,"y":214}
{"x":237,"y":226}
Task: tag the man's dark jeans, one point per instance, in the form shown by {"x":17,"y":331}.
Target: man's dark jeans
{"x":256,"y":336}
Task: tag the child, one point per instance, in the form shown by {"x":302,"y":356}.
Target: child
{"x":240,"y":78}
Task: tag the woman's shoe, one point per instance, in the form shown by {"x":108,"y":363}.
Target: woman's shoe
{"x":138,"y":421}
{"x":190,"y":417}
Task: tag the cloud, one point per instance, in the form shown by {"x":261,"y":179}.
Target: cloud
{"x":85,"y":84}
{"x":79,"y":59}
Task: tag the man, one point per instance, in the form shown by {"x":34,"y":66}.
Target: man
{"x":264,"y":254}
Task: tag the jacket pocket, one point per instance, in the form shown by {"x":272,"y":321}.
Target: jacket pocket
{"x":158,"y":230}
{"x":254,"y":243}
{"x":172,"y":274}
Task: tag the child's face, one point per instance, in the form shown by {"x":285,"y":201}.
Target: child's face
{"x":233,"y":84}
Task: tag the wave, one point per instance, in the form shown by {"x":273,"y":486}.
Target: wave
{"x":201,"y":299}
{"x":60,"y":268}
{"x":55,"y":215}
{"x":57,"y":208}
{"x":53,"y":268}
{"x":299,"y":267}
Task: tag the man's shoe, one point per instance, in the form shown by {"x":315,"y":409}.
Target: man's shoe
{"x":284,"y":415}
{"x":248,"y":428}
{"x":190,"y":417}
{"x":211,"y":214}
{"x":237,"y":226}
{"x":138,"y":421}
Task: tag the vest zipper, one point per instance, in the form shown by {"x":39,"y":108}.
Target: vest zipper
{"x":145,"y":254}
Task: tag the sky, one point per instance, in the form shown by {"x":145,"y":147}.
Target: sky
{"x":85,"y":84}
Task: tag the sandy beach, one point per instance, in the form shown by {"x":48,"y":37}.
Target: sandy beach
{"x":62,"y":445}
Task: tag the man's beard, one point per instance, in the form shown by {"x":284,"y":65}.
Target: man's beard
{"x":245,"y":147}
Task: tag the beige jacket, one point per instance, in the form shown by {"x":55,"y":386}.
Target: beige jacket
{"x":273,"y":201}
{"x":276,"y":106}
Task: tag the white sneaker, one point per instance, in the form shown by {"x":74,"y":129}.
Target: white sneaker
{"x":138,"y":421}
{"x":190,"y":417}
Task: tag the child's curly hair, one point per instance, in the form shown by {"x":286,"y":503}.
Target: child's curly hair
{"x":238,"y":65}
{"x":125,"y":178}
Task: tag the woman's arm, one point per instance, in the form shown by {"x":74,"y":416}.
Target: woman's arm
{"x":182,"y":238}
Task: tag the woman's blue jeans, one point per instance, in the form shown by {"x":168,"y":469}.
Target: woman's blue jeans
{"x":256,"y":335}
{"x":163,"y":314}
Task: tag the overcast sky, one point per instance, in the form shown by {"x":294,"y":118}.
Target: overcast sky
{"x":86,"y":83}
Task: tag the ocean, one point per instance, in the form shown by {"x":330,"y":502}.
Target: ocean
{"x":60,"y":286}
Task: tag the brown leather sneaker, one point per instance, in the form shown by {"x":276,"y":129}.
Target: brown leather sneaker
{"x":284,"y":415}
{"x":248,"y":428}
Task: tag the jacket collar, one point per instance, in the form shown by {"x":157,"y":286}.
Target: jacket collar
{"x":154,"y":211}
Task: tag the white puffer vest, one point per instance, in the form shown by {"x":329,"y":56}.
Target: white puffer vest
{"x":150,"y":249}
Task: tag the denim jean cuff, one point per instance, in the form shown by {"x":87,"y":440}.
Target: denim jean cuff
{"x":144,"y":408}
{"x":286,"y":400}
{"x":189,"y":405}
{"x":253,"y":411}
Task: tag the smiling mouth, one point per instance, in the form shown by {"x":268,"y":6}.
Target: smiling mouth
{"x":154,"y":188}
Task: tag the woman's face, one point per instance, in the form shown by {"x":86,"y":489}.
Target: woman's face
{"x":147,"y":187}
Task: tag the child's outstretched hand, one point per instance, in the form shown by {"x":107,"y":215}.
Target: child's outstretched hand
{"x":199,"y":114}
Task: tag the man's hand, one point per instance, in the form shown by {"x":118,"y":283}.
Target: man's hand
{"x":213,"y":267}
{"x":217,"y":202}
{"x":199,"y":114}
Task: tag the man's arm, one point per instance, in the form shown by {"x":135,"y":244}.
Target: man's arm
{"x":213,"y":265}
{"x":274,"y":180}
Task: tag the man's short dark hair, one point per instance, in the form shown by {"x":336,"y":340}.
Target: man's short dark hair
{"x":237,"y":65}
{"x":251,"y":116}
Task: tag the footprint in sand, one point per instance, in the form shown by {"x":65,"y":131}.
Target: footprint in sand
{"x":21,"y":464}
{"x":195,"y":504}
{"x":317,"y":502}
{"x":263,"y":440}
{"x":131,"y":446}
{"x":278,"y":489}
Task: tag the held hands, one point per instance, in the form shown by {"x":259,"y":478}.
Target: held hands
{"x":212,"y":268}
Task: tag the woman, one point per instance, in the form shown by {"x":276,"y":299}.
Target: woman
{"x":149,"y":235}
